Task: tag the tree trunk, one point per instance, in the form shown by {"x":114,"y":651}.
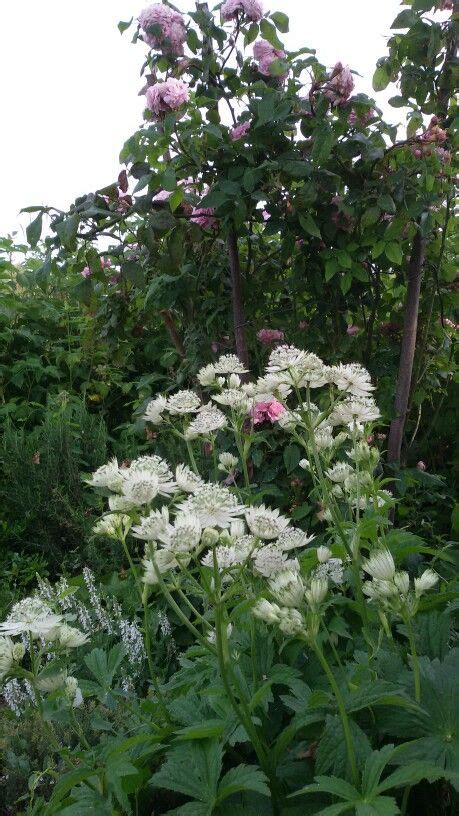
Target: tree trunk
{"x":237,"y":300}
{"x":405,"y":370}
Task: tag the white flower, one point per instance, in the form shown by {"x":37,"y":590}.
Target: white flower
{"x":140,"y":487}
{"x":331,"y":570}
{"x":186,"y":533}
{"x":380,"y":565}
{"x":18,"y":652}
{"x":285,"y":357}
{"x":207,"y":375}
{"x":264,"y":522}
{"x":352,"y":378}
{"x":384,"y":588}
{"x":426,"y":581}
{"x":292,"y":539}
{"x":313,"y":372}
{"x":70,"y":638}
{"x":227,"y":462}
{"x":237,"y":528}
{"x":234,"y":381}
{"x":30,"y":615}
{"x":354,"y":410}
{"x":73,"y":691}
{"x":229,"y":364}
{"x":268,"y":387}
{"x":50,"y":682}
{"x":339,"y":472}
{"x":113,"y":525}
{"x":214,"y":505}
{"x":270,"y":560}
{"x":323,"y":437}
{"x":212,"y":636}
{"x":287,"y":588}
{"x":120,"y":504}
{"x":291,"y":622}
{"x":228,"y":556}
{"x":289,"y":420}
{"x":154,"y":527}
{"x":155,"y":466}
{"x":233,"y":398}
{"x":187,"y":480}
{"x":183,"y":402}
{"x":208,"y":420}
{"x":323,"y":554}
{"x":402,"y":582}
{"x":154,"y":410}
{"x":6,"y":656}
{"x":210,"y":537}
{"x":108,"y":475}
{"x":164,"y":560}
{"x":304,"y":464}
{"x":317,"y":592}
{"x":266,"y":611}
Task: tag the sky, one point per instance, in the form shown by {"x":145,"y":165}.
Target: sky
{"x":69,"y":96}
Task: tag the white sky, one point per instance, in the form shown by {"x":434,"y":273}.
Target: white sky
{"x":70,"y":83}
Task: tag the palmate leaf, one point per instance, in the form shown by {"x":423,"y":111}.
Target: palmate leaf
{"x":242,"y":778}
{"x":192,"y":769}
{"x":331,"y":756}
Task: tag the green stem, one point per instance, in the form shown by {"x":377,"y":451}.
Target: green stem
{"x":191,"y":456}
{"x":182,"y":617}
{"x":154,"y":679}
{"x":132,"y":566}
{"x":406,"y":796}
{"x":341,"y":708}
{"x":414,"y":659}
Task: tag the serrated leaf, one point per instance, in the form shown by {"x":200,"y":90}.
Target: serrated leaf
{"x":33,"y":230}
{"x":203,"y":730}
{"x":192,"y":769}
{"x":242,"y":778}
{"x":331,"y":755}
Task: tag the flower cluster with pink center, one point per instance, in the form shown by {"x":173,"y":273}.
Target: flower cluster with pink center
{"x":340,"y":85}
{"x":239,"y":131}
{"x":266,"y":411}
{"x":167,"y":96}
{"x":252,"y":9}
{"x":265,"y":54}
{"x":268,"y":336}
{"x":163,"y":28}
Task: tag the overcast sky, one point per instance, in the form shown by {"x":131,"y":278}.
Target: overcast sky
{"x":70,"y":83}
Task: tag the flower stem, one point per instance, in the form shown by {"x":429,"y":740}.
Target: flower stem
{"x":191,"y":455}
{"x":414,"y":659}
{"x":154,"y":679}
{"x":132,"y":566}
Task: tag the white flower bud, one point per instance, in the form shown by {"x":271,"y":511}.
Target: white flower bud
{"x":18,"y":652}
{"x":317,"y":592}
{"x":323,"y":554}
{"x":380,"y":564}
{"x":426,"y":581}
{"x":402,"y":582}
{"x":70,"y":638}
{"x":304,"y":464}
{"x":266,"y":611}
{"x":234,"y":381}
{"x":209,"y":537}
{"x":237,"y":528}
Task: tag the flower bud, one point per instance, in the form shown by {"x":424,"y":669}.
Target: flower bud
{"x":323,"y":554}
{"x":402,"y":582}
{"x":426,"y":581}
{"x":237,"y":528}
{"x":18,"y":652}
{"x":209,"y":537}
{"x":317,"y":592}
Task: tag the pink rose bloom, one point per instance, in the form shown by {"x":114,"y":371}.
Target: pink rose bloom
{"x":381,"y":437}
{"x":303,"y":325}
{"x":266,"y":411}
{"x":266,"y":215}
{"x":352,"y":330}
{"x":105,"y":263}
{"x":204,"y":217}
{"x":443,"y":155}
{"x":163,"y":195}
{"x":362,"y":119}
{"x":168,"y":25}
{"x":252,"y":9}
{"x":239,"y":131}
{"x":421,"y":465}
{"x":265,"y":54}
{"x":86,"y":272}
{"x":268,"y":336}
{"x":166,"y":96}
{"x":340,"y":85}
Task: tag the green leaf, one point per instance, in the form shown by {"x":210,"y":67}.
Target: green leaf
{"x":411,"y":775}
{"x":124,"y":25}
{"x":405,"y":19}
{"x":68,"y":781}
{"x":162,"y":220}
{"x":386,"y":202}
{"x":192,"y":769}
{"x":332,"y":785}
{"x":203,"y":730}
{"x":268,"y":32}
{"x":381,"y":79}
{"x":67,"y":230}
{"x":176,"y":198}
{"x":292,"y":455}
{"x":102,"y":666}
{"x":281,"y":21}
{"x":324,"y":140}
{"x":374,"y":767}
{"x":33,"y":230}
{"x":309,"y":225}
{"x":242,"y":778}
{"x":394,"y":253}
{"x":331,"y":268}
{"x":331,"y":755}
{"x":345,"y":282}
{"x":251,"y":35}
{"x":398,"y":101}
{"x":380,"y":806}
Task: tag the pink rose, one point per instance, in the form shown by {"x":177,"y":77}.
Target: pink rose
{"x":266,"y":411}
{"x":86,"y":272}
{"x":105,"y":263}
{"x":421,"y":465}
{"x":363,"y":119}
{"x":166,"y":96}
{"x":163,"y":28}
{"x":239,"y":131}
{"x":266,"y":215}
{"x":340,"y":85}
{"x":252,"y":9}
{"x":352,"y":330}
{"x":268,"y":336}
{"x":163,"y":195}
{"x":265,"y":54}
{"x":204,"y":217}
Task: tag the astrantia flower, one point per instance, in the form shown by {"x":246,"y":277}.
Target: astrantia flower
{"x":234,"y":398}
{"x":186,"y":533}
{"x":227,"y":462}
{"x":291,"y":622}
{"x":352,"y":378}
{"x":208,"y":420}
{"x":265,"y":54}
{"x":141,"y":487}
{"x":186,"y":480}
{"x":120,"y":504}
{"x":285,"y":357}
{"x":314,"y":373}
{"x":229,"y":364}
{"x":323,"y":437}
{"x":30,"y":615}
{"x":214,"y":506}
{"x":265,"y":523}
{"x":167,"y":96}
{"x":323,"y":554}
{"x":266,"y":611}
{"x":270,"y":560}
{"x":380,"y":564}
{"x":237,"y":529}
{"x":154,"y":527}
{"x":70,"y":638}
{"x":163,"y":28}
{"x":113,"y":525}
{"x":289,"y":420}
{"x":183,"y":402}
{"x":426,"y":581}
{"x":317,"y":592}
{"x":287,"y":588}
{"x":293,"y":539}
{"x":6,"y":656}
{"x":108,"y":475}
{"x":154,"y":410}
{"x":252,"y":9}
{"x":157,"y":467}
{"x":164,"y":560}
{"x":339,"y":472}
{"x":331,"y":570}
{"x":207,"y":375}
{"x":354,"y":411}
{"x":239,"y":131}
{"x":402,"y":582}
{"x":229,"y":556}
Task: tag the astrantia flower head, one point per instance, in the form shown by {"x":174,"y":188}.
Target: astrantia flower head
{"x":293,"y":539}
{"x":354,"y":411}
{"x":265,"y":523}
{"x":287,"y":588}
{"x":214,"y":506}
{"x":266,"y":611}
{"x":186,"y":480}
{"x":6,"y":656}
{"x":426,"y":581}
{"x":70,"y":638}
{"x":323,"y":554}
{"x":154,"y":527}
{"x":339,"y":472}
{"x":289,"y":420}
{"x":229,"y":555}
{"x":108,"y":475}
{"x":208,"y":420}
{"x":380,"y":564}
{"x":120,"y":504}
{"x":270,"y":560}
{"x":183,"y":402}
{"x":207,"y":375}
{"x":352,"y":378}
{"x":30,"y":615}
{"x":154,"y":410}
{"x":113,"y":525}
{"x":331,"y":570}
{"x":313,"y":372}
{"x":317,"y":592}
{"x":229,"y":364}
{"x":141,"y":487}
{"x":283,"y":358}
{"x":234,"y":398}
{"x":156,"y":466}
{"x":227,"y":462}
{"x":163,"y":560}
{"x":252,"y":9}
{"x":186,"y":533}
{"x":163,"y":28}
{"x":167,"y":96}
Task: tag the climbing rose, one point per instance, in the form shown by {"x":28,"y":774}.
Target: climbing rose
{"x":421,"y":465}
{"x":265,"y":54}
{"x":170,"y":31}
{"x":252,"y":9}
{"x":361,"y":119}
{"x":434,"y":133}
{"x":264,"y":411}
{"x":340,"y":85}
{"x":239,"y":131}
{"x":166,"y":96}
{"x":204,"y":217}
{"x":268,"y":336}
{"x":352,"y":330}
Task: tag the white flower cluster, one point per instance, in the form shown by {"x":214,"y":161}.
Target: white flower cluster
{"x":392,"y":589}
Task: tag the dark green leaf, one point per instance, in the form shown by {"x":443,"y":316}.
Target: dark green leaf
{"x":33,"y":230}
{"x":281,"y":21}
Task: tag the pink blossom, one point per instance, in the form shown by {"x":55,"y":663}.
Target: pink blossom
{"x":265,"y":54}
{"x":168,"y":26}
{"x":105,"y":263}
{"x":446,"y":5}
{"x":204,"y":217}
{"x":361,"y":119}
{"x":266,"y":411}
{"x":381,"y":437}
{"x":268,"y":336}
{"x":434,"y":132}
{"x":352,"y":330}
{"x":449,"y":324}
{"x":163,"y":195}
{"x":166,"y":96}
{"x":443,"y":155}
{"x":340,"y":84}
{"x":239,"y":131}
{"x":303,"y":324}
{"x":86,"y":272}
{"x":252,"y":9}
{"x":421,"y":465}
{"x":370,"y":439}
{"x":266,"y":215}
